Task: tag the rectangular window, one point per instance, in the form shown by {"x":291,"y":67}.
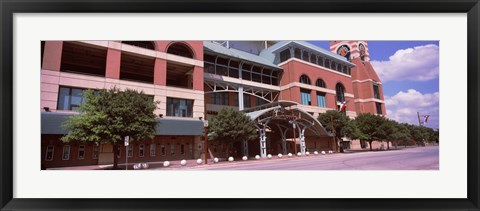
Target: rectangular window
{"x":81,"y":152}
{"x":260,"y":101}
{"x":321,"y":100}
{"x":130,"y":151}
{"x":246,"y":100}
{"x":49,"y":154}
{"x":179,"y":107}
{"x":66,"y":152}
{"x":182,"y":149}
{"x":141,"y":150}
{"x":96,"y":149}
{"x":220,"y":98}
{"x":376,"y":91}
{"x":69,"y":98}
{"x":162,"y":147}
{"x":190,"y":146}
{"x":379,"y":108}
{"x":152,"y":150}
{"x":172,"y":149}
{"x":305,"y":97}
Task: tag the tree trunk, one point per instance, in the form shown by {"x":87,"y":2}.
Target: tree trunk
{"x":388,"y":145}
{"x":115,"y":157}
{"x":370,"y":143}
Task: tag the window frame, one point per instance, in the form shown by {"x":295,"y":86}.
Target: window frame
{"x":68,"y":152}
{"x":81,"y":148}
{"x":46,"y":152}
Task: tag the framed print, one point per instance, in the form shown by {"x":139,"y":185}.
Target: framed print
{"x":285,"y":67}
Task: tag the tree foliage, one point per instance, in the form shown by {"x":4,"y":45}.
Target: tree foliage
{"x":369,"y":127}
{"x":110,"y":115}
{"x":336,"y":122}
{"x":231,"y":125}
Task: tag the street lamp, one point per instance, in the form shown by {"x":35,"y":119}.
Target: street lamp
{"x":127,"y":142}
{"x":294,"y":139}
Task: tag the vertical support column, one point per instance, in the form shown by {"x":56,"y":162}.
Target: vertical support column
{"x":52,"y":58}
{"x":160,"y":72}
{"x":197,"y":78}
{"x":245,"y":148}
{"x":112,"y":68}
{"x":263,"y":145}
{"x":302,"y":141}
{"x":240,"y":98}
{"x":283,"y":134}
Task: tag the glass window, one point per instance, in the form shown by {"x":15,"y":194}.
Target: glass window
{"x":69,"y":98}
{"x":313,"y":58}
{"x":379,"y":108}
{"x":260,"y":101}
{"x":190,"y":146}
{"x":320,"y":61}
{"x":246,"y":100}
{"x":49,"y":154}
{"x":66,"y":152}
{"x":162,"y":149}
{"x":340,"y":91}
{"x":320,"y":83}
{"x":172,"y":149}
{"x":81,"y":152}
{"x":327,"y":63}
{"x":321,"y":99}
{"x":130,"y":151}
{"x":182,"y":149}
{"x":179,"y":107}
{"x":141,"y":150}
{"x":305,"y":79}
{"x":306,"y":57}
{"x":298,"y":53}
{"x":376,"y":91}
{"x":305,"y":97}
{"x":285,"y":55}
{"x":220,"y":98}
{"x":333,"y":66}
{"x":152,"y":150}
{"x":96,"y":149}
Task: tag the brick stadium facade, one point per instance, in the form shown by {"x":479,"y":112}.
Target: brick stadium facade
{"x":194,"y":79}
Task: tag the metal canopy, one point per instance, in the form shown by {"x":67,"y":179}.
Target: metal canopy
{"x":282,"y":114}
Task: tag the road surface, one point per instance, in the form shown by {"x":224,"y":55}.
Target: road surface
{"x":421,"y":158}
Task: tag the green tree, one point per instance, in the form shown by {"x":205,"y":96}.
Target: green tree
{"x":110,"y":115}
{"x":419,"y":134}
{"x":337,"y":123}
{"x":369,"y":127}
{"x":231,"y":126}
{"x":402,"y":134}
{"x":388,"y":131}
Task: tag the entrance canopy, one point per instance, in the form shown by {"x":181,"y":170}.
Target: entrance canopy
{"x":284,"y":116}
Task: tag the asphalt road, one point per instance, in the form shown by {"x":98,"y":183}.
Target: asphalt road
{"x":421,"y":158}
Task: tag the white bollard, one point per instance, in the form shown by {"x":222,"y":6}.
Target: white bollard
{"x":257,"y":157}
{"x":183,"y":162}
{"x":316,"y":152}
{"x":290,"y":155}
{"x":330,"y":152}
{"x":145,"y":165}
{"x":199,"y":161}
{"x":166,"y":164}
{"x":299,"y":154}
{"x":230,"y":159}
{"x":269,"y":156}
{"x":215,"y":160}
{"x":280,"y":155}
{"x":136,"y":166}
{"x":323,"y":152}
{"x":307,"y":153}
{"x":244,"y":158}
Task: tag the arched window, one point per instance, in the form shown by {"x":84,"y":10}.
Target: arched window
{"x":180,"y":49}
{"x":305,"y":79}
{"x":344,"y":51}
{"x":340,"y":91}
{"x":141,"y":44}
{"x":362,"y":50}
{"x":320,"y":83}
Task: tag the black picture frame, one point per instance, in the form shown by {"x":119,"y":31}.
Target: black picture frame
{"x":10,"y":7}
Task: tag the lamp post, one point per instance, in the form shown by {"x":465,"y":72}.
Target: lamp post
{"x":205,"y":126}
{"x":294,"y":139}
{"x":127,"y":142}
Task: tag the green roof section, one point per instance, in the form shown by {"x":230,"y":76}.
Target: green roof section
{"x":210,"y":46}
{"x":51,"y":123}
{"x":269,"y":53}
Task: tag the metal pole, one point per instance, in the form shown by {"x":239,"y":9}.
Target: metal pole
{"x":418,"y":115}
{"x":206,"y":144}
{"x":126,"y":158}
{"x":334,"y":134}
{"x":294,"y":139}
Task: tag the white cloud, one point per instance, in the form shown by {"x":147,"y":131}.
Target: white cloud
{"x":416,"y":64}
{"x":403,"y":107}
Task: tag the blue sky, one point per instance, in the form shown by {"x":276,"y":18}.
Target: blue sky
{"x":409,"y":72}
